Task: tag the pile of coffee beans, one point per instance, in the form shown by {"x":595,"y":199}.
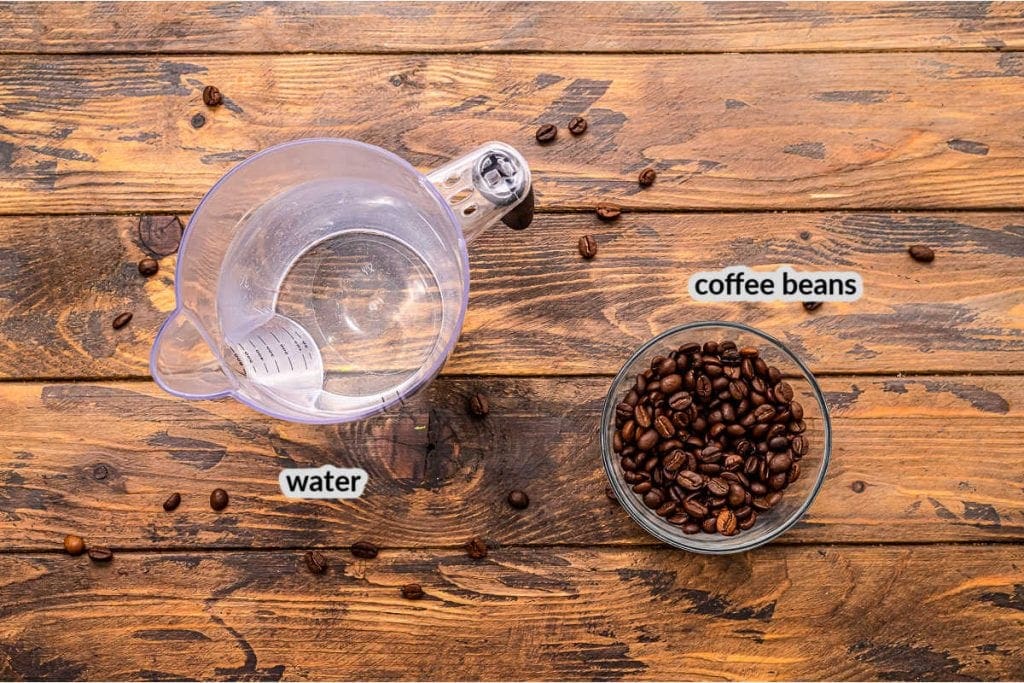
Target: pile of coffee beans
{"x":709,"y":437}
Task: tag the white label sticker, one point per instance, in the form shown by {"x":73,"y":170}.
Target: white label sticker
{"x":326,"y":482}
{"x":739,"y":283}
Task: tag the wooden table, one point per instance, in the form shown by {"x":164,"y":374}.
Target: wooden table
{"x":817,"y":135}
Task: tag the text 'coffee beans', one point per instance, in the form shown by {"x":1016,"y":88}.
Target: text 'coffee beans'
{"x":709,"y":436}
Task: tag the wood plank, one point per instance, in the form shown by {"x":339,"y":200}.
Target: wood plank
{"x":536,"y":308}
{"x":924,"y":459}
{"x":174,"y":27}
{"x":907,"y":613}
{"x":730,"y":131}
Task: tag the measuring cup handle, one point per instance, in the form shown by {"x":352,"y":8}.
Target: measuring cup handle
{"x":489,"y":184}
{"x":183,"y":363}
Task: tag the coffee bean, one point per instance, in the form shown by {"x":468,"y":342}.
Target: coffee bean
{"x":709,"y":525}
{"x":608,"y":212}
{"x":691,"y":481}
{"x":764,"y":413}
{"x":316,"y":562}
{"x":678,"y":518}
{"x":777,"y":482}
{"x":172,"y":502}
{"x":812,"y":305}
{"x":518,"y":499}
{"x":717,"y":486}
{"x":688,"y":348}
{"x":100,"y":554}
{"x":794,"y":473}
{"x":799,"y":445}
{"x":121,"y":320}
{"x":74,"y":545}
{"x":578,"y":125}
{"x":588,"y":247}
{"x":479,"y":406}
{"x":546,"y":133}
{"x":654,"y":498}
{"x":921,"y":253}
{"x":647,"y":177}
{"x":674,"y":461}
{"x":664,"y":426}
{"x":779,"y":443}
{"x":680,"y":401}
{"x":412,"y":591}
{"x":784,"y":392}
{"x":780,"y":463}
{"x":212,"y":96}
{"x":737,"y":494}
{"x":695,"y":509}
{"x":666,"y":508}
{"x":646,"y":441}
{"x":643,"y":487}
{"x":747,"y":522}
{"x":198,"y":121}
{"x":703,"y":388}
{"x":691,"y":528}
{"x":725,"y":523}
{"x":796,"y":411}
{"x":671,"y":384}
{"x":364,"y":550}
{"x":218,"y":499}
{"x":858,"y":486}
{"x":148,"y":267}
{"x":476,"y":548}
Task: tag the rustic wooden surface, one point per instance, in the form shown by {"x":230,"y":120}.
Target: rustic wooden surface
{"x":814,"y":134}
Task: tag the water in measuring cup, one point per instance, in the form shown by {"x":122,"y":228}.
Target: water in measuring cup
{"x":355,"y":287}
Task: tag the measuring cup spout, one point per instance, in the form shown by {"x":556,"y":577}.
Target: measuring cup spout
{"x":489,"y":184}
{"x":183,"y":362}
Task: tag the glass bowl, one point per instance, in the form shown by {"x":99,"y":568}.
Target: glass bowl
{"x":797,"y":496}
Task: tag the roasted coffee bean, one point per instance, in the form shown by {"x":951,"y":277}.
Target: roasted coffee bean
{"x":617,"y":442}
{"x":197,"y":121}
{"x":799,"y":445}
{"x":476,"y":548}
{"x":218,"y":499}
{"x":608,"y":212}
{"x":121,"y":320}
{"x":666,"y":367}
{"x":669,"y":445}
{"x":779,"y":443}
{"x":695,"y":509}
{"x":680,"y":401}
{"x":412,"y":591}
{"x":642,"y":487}
{"x":784,"y":392}
{"x":709,"y":525}
{"x":633,"y":477}
{"x":796,"y":410}
{"x":172,"y":502}
{"x":812,"y":305}
{"x":316,"y":562}
{"x":764,"y":413}
{"x":148,"y":267}
{"x":588,"y":247}
{"x":691,"y":528}
{"x":654,"y":498}
{"x":703,"y":388}
{"x":794,"y":473}
{"x":691,"y":481}
{"x":732,"y":462}
{"x":688,"y":348}
{"x":678,"y":518}
{"x":643,"y":416}
{"x":921,"y":253}
{"x":632,"y":398}
{"x":743,"y":511}
{"x":674,"y":461}
{"x":717,"y":487}
{"x":671,"y":383}
{"x":518,"y":499}
{"x":664,"y":426}
{"x":761,"y":503}
{"x":647,"y":439}
{"x":666,"y":509}
{"x":725,"y":523}
{"x":647,"y":177}
{"x":479,"y":406}
{"x":364,"y":550}
{"x":797,"y":427}
{"x":738,"y":390}
{"x":774,"y":375}
{"x":757,"y":488}
{"x":780,"y":463}
{"x":74,"y":545}
{"x":737,"y":494}
{"x":777,"y":482}
{"x":212,"y":96}
{"x":578,"y":125}
{"x":747,"y":522}
{"x":546,"y":133}
{"x":100,"y":554}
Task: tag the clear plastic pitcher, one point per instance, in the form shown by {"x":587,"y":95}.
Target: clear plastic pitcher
{"x":324,"y":280}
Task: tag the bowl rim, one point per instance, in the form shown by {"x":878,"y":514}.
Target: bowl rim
{"x":629,"y":503}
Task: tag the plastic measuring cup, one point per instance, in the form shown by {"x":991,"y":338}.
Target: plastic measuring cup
{"x":324,"y":280}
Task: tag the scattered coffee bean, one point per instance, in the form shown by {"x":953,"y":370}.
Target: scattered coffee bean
{"x":546,"y":133}
{"x":121,"y":320}
{"x":364,"y":550}
{"x":316,"y":562}
{"x":858,"y":486}
{"x":412,"y":591}
{"x":647,"y":177}
{"x":812,"y":305}
{"x":212,"y":96}
{"x":588,"y":247}
{"x":708,"y":436}
{"x":518,"y":499}
{"x":479,"y":406}
{"x":218,"y":499}
{"x":578,"y":126}
{"x":476,"y":548}
{"x":74,"y":545}
{"x":172,"y":502}
{"x":198,"y":121}
{"x":148,"y":267}
{"x":100,"y":554}
{"x":608,"y":212}
{"x":921,"y":253}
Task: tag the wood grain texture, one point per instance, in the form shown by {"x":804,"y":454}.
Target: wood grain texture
{"x":873,"y":613}
{"x":537,"y":308}
{"x":113,"y":27}
{"x":936,"y":458}
{"x":786,"y":131}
